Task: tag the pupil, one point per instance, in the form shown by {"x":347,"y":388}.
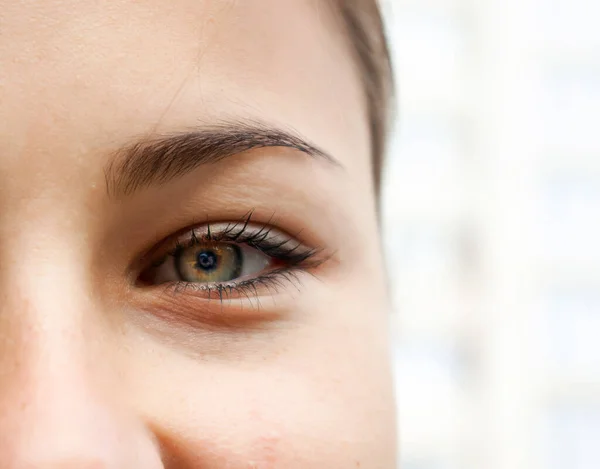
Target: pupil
{"x":207,"y":260}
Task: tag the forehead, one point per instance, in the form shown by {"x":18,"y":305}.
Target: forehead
{"x":85,"y":73}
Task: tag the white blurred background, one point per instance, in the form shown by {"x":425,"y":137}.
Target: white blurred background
{"x":492,"y":231}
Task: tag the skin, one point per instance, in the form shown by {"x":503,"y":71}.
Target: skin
{"x":98,"y":371}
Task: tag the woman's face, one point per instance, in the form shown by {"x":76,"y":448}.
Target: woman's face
{"x":190,"y":274}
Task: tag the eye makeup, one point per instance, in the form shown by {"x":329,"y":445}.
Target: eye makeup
{"x":242,"y":259}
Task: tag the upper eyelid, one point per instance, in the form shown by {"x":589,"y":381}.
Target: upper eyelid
{"x":259,"y":240}
{"x":222,"y":231}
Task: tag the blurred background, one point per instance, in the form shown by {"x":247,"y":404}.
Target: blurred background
{"x":492,"y":232}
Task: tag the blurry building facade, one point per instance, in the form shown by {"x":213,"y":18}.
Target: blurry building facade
{"x":492,"y":232}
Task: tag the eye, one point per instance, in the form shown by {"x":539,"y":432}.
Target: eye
{"x":210,"y":262}
{"x":240,"y":257}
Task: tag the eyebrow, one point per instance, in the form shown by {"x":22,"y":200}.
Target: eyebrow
{"x":158,"y":159}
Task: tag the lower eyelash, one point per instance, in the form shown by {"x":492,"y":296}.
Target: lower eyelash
{"x":273,"y":281}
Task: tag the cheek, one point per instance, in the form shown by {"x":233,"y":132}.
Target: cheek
{"x":264,"y":448}
{"x":309,"y":406}
{"x":268,"y":450}
{"x":266,"y":441}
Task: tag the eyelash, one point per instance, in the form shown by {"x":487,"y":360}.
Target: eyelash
{"x":286,"y":249}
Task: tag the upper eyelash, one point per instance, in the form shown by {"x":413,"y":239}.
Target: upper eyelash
{"x":238,"y":232}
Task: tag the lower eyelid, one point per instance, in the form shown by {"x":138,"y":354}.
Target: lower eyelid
{"x":199,"y":312}
{"x":246,"y":304}
{"x":270,"y":283}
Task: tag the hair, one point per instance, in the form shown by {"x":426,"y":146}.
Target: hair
{"x":365,"y":30}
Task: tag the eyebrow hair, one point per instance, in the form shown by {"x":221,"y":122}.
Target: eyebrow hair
{"x":159,"y":159}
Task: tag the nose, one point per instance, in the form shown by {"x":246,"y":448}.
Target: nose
{"x":60,"y":404}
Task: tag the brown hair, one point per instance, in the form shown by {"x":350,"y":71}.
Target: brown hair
{"x":365,"y":31}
